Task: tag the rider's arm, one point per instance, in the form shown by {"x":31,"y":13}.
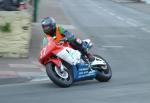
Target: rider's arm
{"x":70,"y":36}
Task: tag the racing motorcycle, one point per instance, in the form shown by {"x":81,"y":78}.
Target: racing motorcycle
{"x":64,"y":65}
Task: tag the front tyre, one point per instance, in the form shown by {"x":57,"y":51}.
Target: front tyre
{"x":103,"y":72}
{"x":62,"y":79}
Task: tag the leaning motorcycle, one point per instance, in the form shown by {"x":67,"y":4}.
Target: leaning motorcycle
{"x":64,"y":65}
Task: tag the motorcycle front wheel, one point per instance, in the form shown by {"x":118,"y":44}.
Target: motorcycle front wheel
{"x":103,"y":72}
{"x":62,"y":79}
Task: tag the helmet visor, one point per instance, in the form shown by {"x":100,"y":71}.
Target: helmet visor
{"x":47,"y":29}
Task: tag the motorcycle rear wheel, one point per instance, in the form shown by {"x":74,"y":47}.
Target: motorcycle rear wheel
{"x":103,"y":75}
{"x":56,"y":78}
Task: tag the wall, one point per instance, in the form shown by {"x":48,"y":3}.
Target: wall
{"x":15,"y":43}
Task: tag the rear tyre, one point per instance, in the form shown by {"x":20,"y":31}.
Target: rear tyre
{"x":62,"y":79}
{"x":103,"y":73}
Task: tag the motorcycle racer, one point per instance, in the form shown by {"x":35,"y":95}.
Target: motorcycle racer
{"x":58,"y":33}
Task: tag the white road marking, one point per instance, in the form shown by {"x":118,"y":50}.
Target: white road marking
{"x":23,"y":66}
{"x":42,"y":68}
{"x":112,"y":46}
{"x":105,"y":9}
{"x":32,"y":74}
{"x":132,"y":20}
{"x":100,"y":7}
{"x":36,"y":76}
{"x":68,"y":26}
{"x":34,"y":65}
{"x":113,"y":14}
{"x":119,"y":36}
{"x":40,"y":79}
{"x":120,"y":18}
{"x":131,"y":23}
{"x":146,"y":30}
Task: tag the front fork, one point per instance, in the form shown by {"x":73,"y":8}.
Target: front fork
{"x":58,"y":63}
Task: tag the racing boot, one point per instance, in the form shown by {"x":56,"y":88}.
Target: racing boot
{"x":90,"y":57}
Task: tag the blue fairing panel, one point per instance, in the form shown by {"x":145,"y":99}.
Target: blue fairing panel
{"x":82,"y":72}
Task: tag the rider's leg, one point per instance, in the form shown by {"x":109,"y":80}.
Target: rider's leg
{"x":77,"y":44}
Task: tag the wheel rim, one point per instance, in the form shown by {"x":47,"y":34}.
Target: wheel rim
{"x":63,"y":75}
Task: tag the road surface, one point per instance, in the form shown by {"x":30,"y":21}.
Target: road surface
{"x":121,"y":35}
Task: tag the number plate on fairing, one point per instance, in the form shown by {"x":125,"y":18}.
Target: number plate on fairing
{"x":82,"y":72}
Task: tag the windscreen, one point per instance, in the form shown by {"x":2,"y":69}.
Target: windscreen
{"x":44,"y":42}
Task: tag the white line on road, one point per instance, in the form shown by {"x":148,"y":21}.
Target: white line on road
{"x":131,"y":23}
{"x":36,"y":76}
{"x":119,"y":36}
{"x":23,"y":66}
{"x":112,"y":46}
{"x":146,"y":30}
{"x":39,"y":65}
{"x":68,"y":26}
{"x":42,"y":69}
{"x":120,"y":18}
{"x":132,"y":20}
{"x":100,"y":7}
{"x":40,"y":79}
{"x":111,"y":13}
{"x":105,"y":9}
{"x":32,"y":74}
{"x":33,"y":66}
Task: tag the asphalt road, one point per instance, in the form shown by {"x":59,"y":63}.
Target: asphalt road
{"x":122,"y":36}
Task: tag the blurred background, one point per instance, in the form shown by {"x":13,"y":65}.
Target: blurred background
{"x":119,"y":29}
{"x":16,"y":18}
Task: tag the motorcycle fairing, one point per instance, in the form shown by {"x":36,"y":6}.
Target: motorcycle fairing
{"x":56,"y":61}
{"x":69,"y":55}
{"x":82,"y":72}
{"x":98,"y":61}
